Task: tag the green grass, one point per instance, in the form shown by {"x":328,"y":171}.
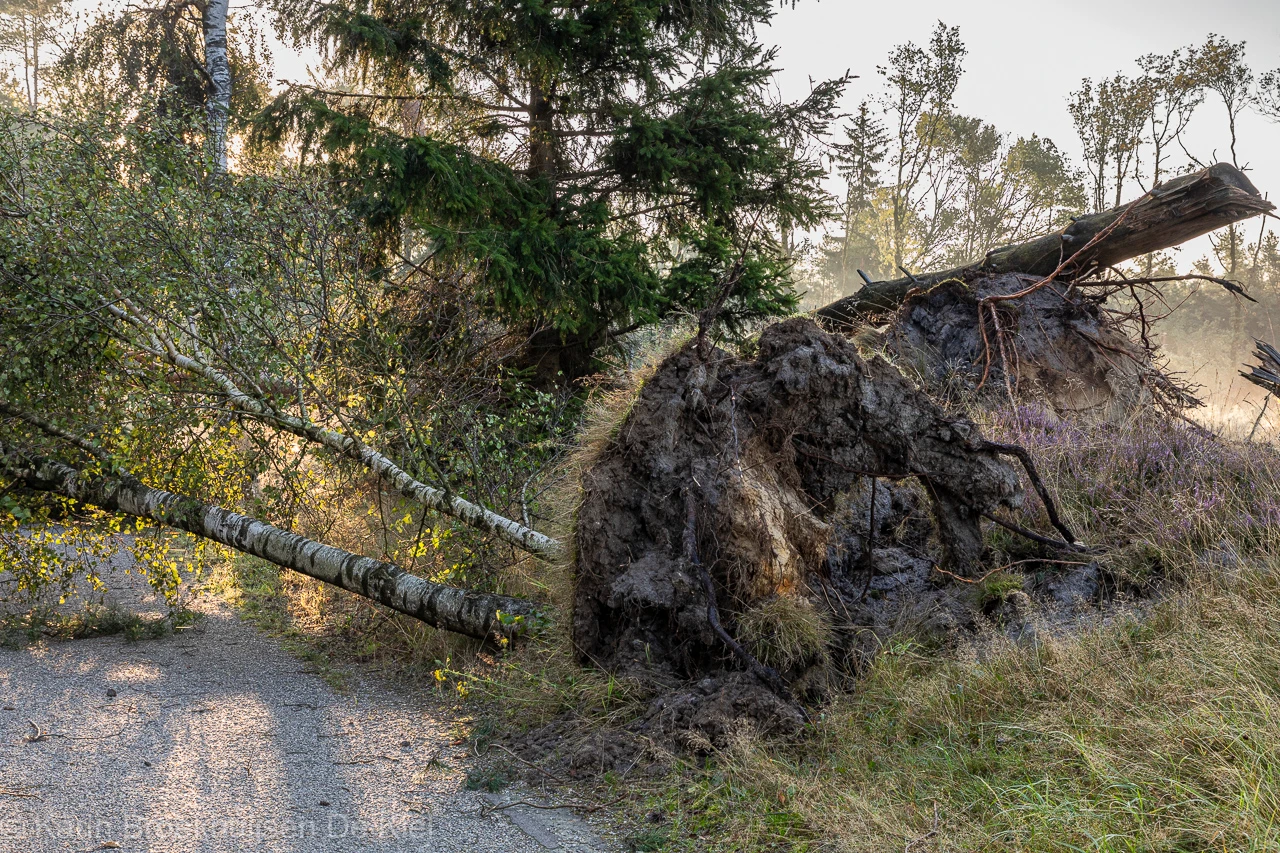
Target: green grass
{"x":1160,"y":735}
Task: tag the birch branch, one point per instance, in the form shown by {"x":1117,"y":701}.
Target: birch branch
{"x":473,"y":515}
{"x":55,"y":431}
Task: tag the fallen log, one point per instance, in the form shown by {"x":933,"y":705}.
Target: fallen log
{"x":1168,"y":215}
{"x":484,"y":616}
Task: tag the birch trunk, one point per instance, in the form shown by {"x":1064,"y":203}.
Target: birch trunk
{"x":447,"y":608}
{"x":473,"y":515}
{"x":219,"y":71}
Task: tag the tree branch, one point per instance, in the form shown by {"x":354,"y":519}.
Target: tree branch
{"x":469,"y":513}
{"x":55,"y":431}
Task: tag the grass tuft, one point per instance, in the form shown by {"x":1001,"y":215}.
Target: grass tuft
{"x":785,"y":632}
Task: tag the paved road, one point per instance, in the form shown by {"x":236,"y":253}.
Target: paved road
{"x":214,"y":739}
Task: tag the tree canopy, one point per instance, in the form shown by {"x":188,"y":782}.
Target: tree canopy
{"x":601,"y":164}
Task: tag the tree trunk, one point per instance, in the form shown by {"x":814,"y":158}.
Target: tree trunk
{"x":479,"y":615}
{"x":1172,"y":213}
{"x":543,"y":156}
{"x":219,"y":71}
{"x":468,"y":513}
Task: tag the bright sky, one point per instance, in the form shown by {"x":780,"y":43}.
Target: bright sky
{"x":1025,"y":58}
{"x":1022,"y":64}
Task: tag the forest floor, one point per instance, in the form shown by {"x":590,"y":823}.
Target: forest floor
{"x":213,"y":737}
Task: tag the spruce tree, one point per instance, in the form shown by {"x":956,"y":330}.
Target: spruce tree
{"x":595,"y":164}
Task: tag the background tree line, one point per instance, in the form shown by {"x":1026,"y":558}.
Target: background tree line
{"x":928,"y":188}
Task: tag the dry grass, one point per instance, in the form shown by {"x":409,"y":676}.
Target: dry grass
{"x":1155,"y":735}
{"x":784,"y":631}
{"x":1151,"y":733}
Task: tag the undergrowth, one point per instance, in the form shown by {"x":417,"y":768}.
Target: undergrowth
{"x":1155,"y":731}
{"x":90,"y":620}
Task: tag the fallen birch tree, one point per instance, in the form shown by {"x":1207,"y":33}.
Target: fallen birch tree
{"x":149,"y":338}
{"x":485,"y":616}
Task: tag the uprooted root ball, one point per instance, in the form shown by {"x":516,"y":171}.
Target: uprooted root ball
{"x":763,"y":450}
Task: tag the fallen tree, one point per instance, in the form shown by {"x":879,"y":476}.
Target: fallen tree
{"x":1035,"y":318}
{"x":484,"y":616}
{"x":738,"y":501}
{"x":147,"y":334}
{"x":720,"y":490}
{"x":1170,"y":214}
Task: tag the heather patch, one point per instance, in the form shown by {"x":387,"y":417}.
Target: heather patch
{"x":1154,"y":486}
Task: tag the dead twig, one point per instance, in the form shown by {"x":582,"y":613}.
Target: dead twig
{"x":1029,"y":465}
{"x":530,"y":765}
{"x":1036,"y":537}
{"x":5,"y":792}
{"x":369,"y":759}
{"x":89,"y":737}
{"x":1003,"y":568}
{"x":932,"y":833}
{"x":957,"y":577}
{"x":1228,"y":284}
{"x":1261,"y":413}
{"x":579,"y":807}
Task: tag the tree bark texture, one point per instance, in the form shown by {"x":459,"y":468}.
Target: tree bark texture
{"x":1170,"y":214}
{"x":473,"y":515}
{"x":448,"y":608}
{"x":218,"y":68}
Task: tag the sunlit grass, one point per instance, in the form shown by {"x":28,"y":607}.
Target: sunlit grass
{"x":1155,"y":735}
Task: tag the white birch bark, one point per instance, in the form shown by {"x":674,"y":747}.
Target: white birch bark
{"x":219,"y":70}
{"x":461,"y":611}
{"x":473,"y":515}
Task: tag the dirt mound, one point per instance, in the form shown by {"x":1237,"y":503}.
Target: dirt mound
{"x":1054,"y":344}
{"x":736,"y":468}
